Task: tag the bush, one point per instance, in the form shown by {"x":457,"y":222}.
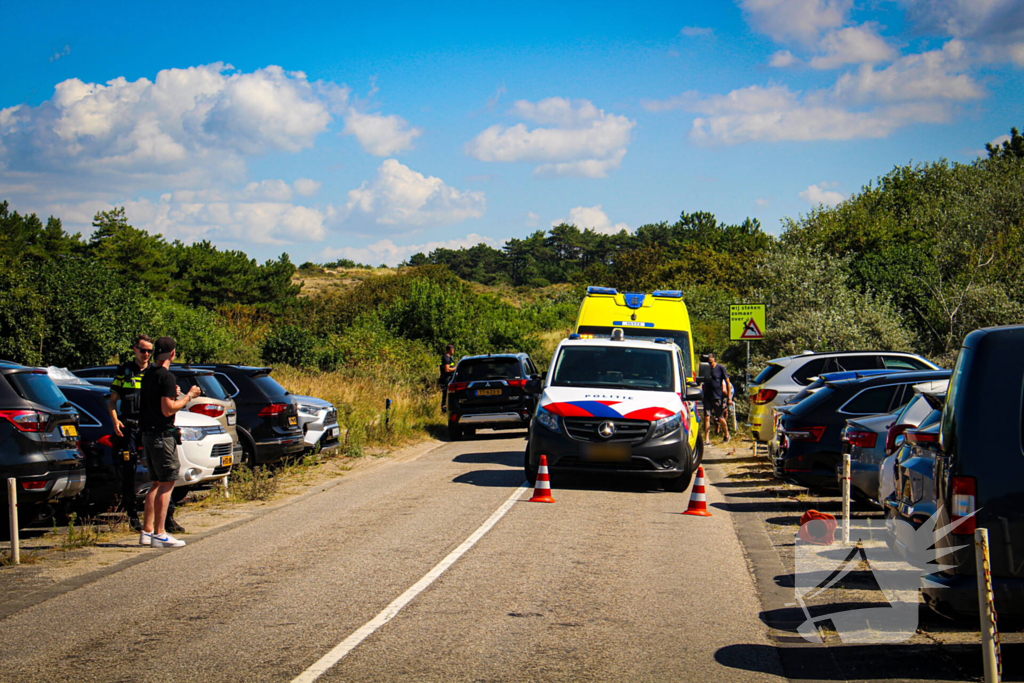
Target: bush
{"x":200,"y":334}
{"x":291,"y":345}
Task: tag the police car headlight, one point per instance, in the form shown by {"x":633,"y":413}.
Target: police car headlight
{"x":667,"y":425}
{"x":192,"y":434}
{"x":548,"y":419}
{"x":308,"y":410}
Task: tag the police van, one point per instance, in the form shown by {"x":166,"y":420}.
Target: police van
{"x":616,"y":405}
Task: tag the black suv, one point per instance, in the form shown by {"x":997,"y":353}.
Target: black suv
{"x":489,"y":392}
{"x":38,"y":438}
{"x":809,"y":437}
{"x":268,"y":422}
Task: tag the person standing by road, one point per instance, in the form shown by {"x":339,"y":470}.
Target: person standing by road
{"x":447,"y":372}
{"x":158,"y":402}
{"x":127,"y":438}
{"x":717,"y":397}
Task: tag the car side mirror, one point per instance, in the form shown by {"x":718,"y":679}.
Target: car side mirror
{"x":694,"y":394}
{"x":898,"y":443}
{"x":534,"y":386}
{"x":703,"y":371}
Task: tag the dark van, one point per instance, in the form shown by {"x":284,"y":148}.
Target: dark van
{"x":980,"y":468}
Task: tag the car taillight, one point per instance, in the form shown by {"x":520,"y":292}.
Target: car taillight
{"x":516,"y":382}
{"x":892,"y":435}
{"x":855,"y":437}
{"x":764,"y":396}
{"x":214,"y":410}
{"x":105,"y":441}
{"x":457,"y":386}
{"x":963,"y":505}
{"x":272,"y":409}
{"x":26,"y":420}
{"x":914,"y":436}
{"x":35,"y":484}
{"x":812,"y":434}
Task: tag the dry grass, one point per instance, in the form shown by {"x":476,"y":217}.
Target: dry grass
{"x":24,"y":557}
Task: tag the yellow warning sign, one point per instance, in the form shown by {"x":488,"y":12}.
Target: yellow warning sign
{"x":747,"y":321}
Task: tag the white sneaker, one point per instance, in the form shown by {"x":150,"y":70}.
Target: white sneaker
{"x":166,"y":541}
{"x":145,"y":538}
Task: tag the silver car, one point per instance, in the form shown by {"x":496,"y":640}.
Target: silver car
{"x":319,"y":421}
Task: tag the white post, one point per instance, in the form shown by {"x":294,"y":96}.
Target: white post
{"x":12,"y":510}
{"x":846,"y":498}
{"x":989,"y":631}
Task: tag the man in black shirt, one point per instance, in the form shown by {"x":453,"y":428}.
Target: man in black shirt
{"x":717,"y":396}
{"x":447,"y":372}
{"x":159,"y":402}
{"x":127,"y":439}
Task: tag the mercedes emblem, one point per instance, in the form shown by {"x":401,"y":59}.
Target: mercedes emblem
{"x":606,"y":430}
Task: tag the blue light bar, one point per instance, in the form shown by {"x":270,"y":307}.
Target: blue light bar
{"x":602,"y":290}
{"x":660,"y":340}
{"x":634,"y":300}
{"x":574,"y":336}
{"x":669,"y":293}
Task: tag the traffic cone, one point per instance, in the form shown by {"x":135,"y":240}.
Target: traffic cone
{"x":698,"y":501}
{"x":542,"y":490}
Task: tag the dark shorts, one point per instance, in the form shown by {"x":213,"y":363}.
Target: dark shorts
{"x":715,"y":408}
{"x":161,"y":456}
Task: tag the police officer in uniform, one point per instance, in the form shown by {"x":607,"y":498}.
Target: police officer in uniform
{"x":127,"y":438}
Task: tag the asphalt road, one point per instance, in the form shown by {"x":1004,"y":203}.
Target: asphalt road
{"x":610,"y":583}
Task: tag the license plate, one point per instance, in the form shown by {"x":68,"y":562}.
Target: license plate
{"x":231,"y":419}
{"x":226,"y":460}
{"x":606,"y":452}
{"x":488,"y":392}
{"x":69,"y":430}
{"x":334,"y":431}
{"x":292,"y":421}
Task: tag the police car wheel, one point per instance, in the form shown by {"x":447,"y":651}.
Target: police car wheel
{"x":469,"y":431}
{"x":531,"y":470}
{"x":678,"y":484}
{"x":454,"y":432}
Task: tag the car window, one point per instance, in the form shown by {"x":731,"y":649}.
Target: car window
{"x":488,"y":368}
{"x":851,"y":363}
{"x":38,"y":388}
{"x":269,"y":386}
{"x":770,"y":371}
{"x":903,"y":363}
{"x":85,"y":418}
{"x":811,"y":368}
{"x":614,"y":367}
{"x":226,"y":382}
{"x":870,"y":401}
{"x":812,"y":402}
{"x":211,"y":387}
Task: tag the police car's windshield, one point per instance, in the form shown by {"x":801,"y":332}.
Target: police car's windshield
{"x":614,"y":367}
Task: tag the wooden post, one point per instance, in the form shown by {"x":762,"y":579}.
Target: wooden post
{"x":846,"y":498}
{"x":989,"y":630}
{"x":12,"y":510}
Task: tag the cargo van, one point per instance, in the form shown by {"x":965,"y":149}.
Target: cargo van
{"x":660,"y":316}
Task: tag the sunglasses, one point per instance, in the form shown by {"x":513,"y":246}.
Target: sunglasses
{"x":142,"y":350}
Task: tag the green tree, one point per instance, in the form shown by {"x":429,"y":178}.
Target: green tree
{"x":131,"y":253}
{"x":1010,"y":149}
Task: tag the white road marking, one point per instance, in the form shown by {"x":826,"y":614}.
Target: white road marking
{"x":389,"y":612}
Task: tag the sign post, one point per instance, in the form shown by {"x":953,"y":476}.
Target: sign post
{"x":747,"y":322}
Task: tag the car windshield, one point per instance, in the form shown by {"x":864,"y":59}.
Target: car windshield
{"x":812,"y":402}
{"x":679,"y":337}
{"x":38,"y":388}
{"x":488,"y":368}
{"x":211,"y":387}
{"x":804,"y":393}
{"x":614,"y":367}
{"x":269,"y":386}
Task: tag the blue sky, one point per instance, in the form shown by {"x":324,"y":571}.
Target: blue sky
{"x":329,"y":130}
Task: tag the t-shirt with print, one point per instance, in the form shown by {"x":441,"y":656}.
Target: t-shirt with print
{"x":157,"y":383}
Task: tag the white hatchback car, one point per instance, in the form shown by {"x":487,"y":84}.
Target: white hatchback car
{"x":784,"y":377}
{"x":204,"y":454}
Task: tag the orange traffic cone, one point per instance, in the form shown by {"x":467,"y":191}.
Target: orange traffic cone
{"x":542,"y":490}
{"x":698,"y":501}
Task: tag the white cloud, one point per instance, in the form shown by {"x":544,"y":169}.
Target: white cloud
{"x":696,"y":31}
{"x":306,"y":187}
{"x":801,"y":21}
{"x":782,"y":59}
{"x":988,"y":20}
{"x":853,"y":45}
{"x":533,"y":219}
{"x":584,"y":140}
{"x":817,"y":194}
{"x":933,"y":75}
{"x":592,"y":217}
{"x":57,"y":54}
{"x":762,"y":202}
{"x":400,"y":199}
{"x":386,"y":251}
{"x":998,"y":141}
{"x":378,"y":134}
{"x":272,"y":190}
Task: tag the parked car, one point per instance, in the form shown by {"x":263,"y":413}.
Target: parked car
{"x":319,"y":422}
{"x":865,"y":439}
{"x":39,"y":441}
{"x":205,"y":451}
{"x":809,"y":444}
{"x":213,"y":401}
{"x":909,"y":417}
{"x":268,"y":420}
{"x":913,"y":499}
{"x":979,"y":470}
{"x":618,"y":407}
{"x":784,"y":377}
{"x":489,"y":392}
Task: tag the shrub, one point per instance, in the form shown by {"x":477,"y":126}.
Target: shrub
{"x":200,"y":334}
{"x":291,"y":345}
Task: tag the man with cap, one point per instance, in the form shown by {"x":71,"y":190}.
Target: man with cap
{"x":159,"y":401}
